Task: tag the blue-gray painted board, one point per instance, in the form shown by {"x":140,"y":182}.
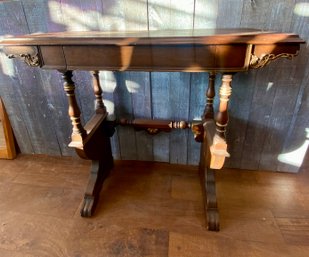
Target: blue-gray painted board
{"x":239,"y":111}
{"x":124,"y":109}
{"x":199,"y":83}
{"x":260,"y":129}
{"x":139,"y":84}
{"x":30,"y":95}
{"x":179,"y":100}
{"x":160,"y":83}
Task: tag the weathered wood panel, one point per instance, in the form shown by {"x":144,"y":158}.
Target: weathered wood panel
{"x":160,"y":84}
{"x":295,"y":146}
{"x":129,"y":15}
{"x":29,"y":96}
{"x":124,"y":109}
{"x":275,"y":91}
{"x":8,"y":79}
{"x":197,"y":104}
{"x":268,"y":108}
{"x":139,"y":85}
{"x":239,"y":111}
{"x":169,"y":103}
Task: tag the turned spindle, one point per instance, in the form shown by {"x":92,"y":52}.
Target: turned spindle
{"x":179,"y":124}
{"x":78,"y":132}
{"x":210,"y":94}
{"x":99,"y":105}
{"x":222,"y":117}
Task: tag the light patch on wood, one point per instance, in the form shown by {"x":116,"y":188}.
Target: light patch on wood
{"x":205,"y":14}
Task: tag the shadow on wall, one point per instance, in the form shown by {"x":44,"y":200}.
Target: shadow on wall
{"x":130,"y":14}
{"x":64,"y":15}
{"x":258,"y":154}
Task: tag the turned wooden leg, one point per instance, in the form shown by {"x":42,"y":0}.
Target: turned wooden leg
{"x":197,"y":128}
{"x":78,"y":132}
{"x":99,"y":105}
{"x":225,"y":93}
{"x":210,"y":94}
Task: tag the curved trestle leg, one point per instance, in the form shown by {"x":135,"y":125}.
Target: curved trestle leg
{"x":207,"y":175}
{"x":98,"y":173}
{"x":98,"y":149}
{"x":90,"y":142}
{"x":208,"y":183}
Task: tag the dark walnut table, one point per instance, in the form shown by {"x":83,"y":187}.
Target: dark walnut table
{"x":220,"y":50}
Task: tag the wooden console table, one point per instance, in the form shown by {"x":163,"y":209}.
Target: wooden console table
{"x":221,"y":50}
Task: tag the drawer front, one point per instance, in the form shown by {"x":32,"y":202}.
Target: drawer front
{"x":156,"y":57}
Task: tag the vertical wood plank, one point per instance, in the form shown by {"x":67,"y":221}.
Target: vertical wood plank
{"x":128,"y":15}
{"x":35,"y":13}
{"x":7,"y":81}
{"x":265,"y":125}
{"x":281,"y":114}
{"x":280,"y":16}
{"x":239,"y":110}
{"x":57,"y":104}
{"x":252,"y":13}
{"x":229,"y":13}
{"x":160,"y":110}
{"x":50,"y":81}
{"x":54,"y":17}
{"x":76,"y":15}
{"x":124,"y":109}
{"x":11,"y":14}
{"x":31,"y":97}
{"x":262,"y":100}
{"x":199,"y":82}
{"x":37,"y":116}
{"x":295,"y":146}
{"x":179,"y":110}
{"x":205,"y":14}
{"x":170,"y":15}
{"x":260,"y":130}
{"x":135,"y":18}
{"x":139,"y":84}
{"x":108,"y":83}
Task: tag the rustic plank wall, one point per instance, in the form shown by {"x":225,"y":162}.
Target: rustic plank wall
{"x":269,"y":122}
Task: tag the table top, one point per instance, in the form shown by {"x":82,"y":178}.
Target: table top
{"x":166,"y":37}
{"x":195,"y":50}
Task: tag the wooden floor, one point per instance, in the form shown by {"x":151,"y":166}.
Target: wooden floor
{"x":148,"y":209}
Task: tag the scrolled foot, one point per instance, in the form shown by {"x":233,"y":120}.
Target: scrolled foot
{"x":213,"y":223}
{"x":88,"y":206}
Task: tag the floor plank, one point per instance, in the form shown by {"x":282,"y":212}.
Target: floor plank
{"x":148,"y":209}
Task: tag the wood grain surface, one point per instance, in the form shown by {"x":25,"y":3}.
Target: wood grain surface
{"x":149,"y":209}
